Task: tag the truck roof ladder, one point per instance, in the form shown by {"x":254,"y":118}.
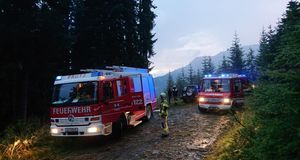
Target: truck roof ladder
{"x":127,"y":69}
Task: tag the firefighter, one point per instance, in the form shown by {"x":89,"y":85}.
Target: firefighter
{"x":175,"y":93}
{"x":169,"y":95}
{"x":163,"y":113}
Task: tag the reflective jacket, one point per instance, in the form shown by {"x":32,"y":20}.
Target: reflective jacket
{"x":163,"y":108}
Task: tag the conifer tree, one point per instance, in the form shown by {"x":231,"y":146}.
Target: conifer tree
{"x":180,"y":83}
{"x":275,"y":103}
{"x":32,"y":41}
{"x":207,"y":66}
{"x":250,"y":65}
{"x":191,"y":74}
{"x":211,"y":67}
{"x":268,"y":48}
{"x":224,"y":67}
{"x":198,"y":77}
{"x":181,"y":80}
{"x":183,"y":77}
{"x":236,"y":56}
{"x":261,"y":59}
{"x":170,"y":82}
{"x":146,"y":24}
{"x":52,"y":37}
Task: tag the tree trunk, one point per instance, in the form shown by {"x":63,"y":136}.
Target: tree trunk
{"x":24,"y":96}
{"x":14,"y":94}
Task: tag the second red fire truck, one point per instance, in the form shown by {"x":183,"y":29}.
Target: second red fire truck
{"x":101,"y":102}
{"x":222,"y":92}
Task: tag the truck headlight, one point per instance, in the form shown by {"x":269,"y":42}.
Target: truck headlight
{"x":201,"y":99}
{"x":93,"y":130}
{"x":226,"y":100}
{"x":54,"y":130}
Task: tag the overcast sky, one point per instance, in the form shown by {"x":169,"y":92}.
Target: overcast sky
{"x":186,"y":29}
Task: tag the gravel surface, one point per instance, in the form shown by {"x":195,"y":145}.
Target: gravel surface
{"x":191,"y":136}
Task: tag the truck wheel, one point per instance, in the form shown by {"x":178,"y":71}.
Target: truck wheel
{"x":117,"y":128}
{"x":202,"y":110}
{"x":124,"y":123}
{"x":148,"y":115}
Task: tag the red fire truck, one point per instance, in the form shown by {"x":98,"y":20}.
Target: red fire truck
{"x":222,"y":92}
{"x":101,"y":102}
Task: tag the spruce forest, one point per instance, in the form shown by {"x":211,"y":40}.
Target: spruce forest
{"x":273,"y":129}
{"x":42,"y":39}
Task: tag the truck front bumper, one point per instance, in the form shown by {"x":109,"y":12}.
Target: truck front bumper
{"x":214,"y":106}
{"x":94,"y":129}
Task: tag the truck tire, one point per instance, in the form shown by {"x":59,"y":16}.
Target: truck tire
{"x":148,"y":114}
{"x":119,"y":127}
{"x":124,"y":123}
{"x":202,"y":110}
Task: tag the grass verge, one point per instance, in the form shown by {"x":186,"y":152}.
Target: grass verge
{"x":231,"y":143}
{"x":29,"y":140}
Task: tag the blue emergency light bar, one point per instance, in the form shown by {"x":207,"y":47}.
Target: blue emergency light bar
{"x":58,"y":78}
{"x":225,"y":75}
{"x":96,"y":74}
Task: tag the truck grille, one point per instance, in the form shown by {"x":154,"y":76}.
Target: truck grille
{"x":76,"y":121}
{"x":215,"y":100}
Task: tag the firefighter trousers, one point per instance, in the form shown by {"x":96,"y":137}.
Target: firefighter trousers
{"x":164,"y":125}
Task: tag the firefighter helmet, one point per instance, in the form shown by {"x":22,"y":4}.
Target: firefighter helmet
{"x":163,"y":95}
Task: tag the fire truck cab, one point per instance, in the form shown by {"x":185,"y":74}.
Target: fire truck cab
{"x":222,"y":92}
{"x":101,"y":102}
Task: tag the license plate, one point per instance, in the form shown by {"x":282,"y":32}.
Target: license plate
{"x":71,"y":129}
{"x":214,"y":100}
{"x":212,"y":107}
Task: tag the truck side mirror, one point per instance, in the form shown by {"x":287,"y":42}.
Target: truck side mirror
{"x":247,"y":92}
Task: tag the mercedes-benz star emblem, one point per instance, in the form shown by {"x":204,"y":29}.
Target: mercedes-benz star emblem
{"x":71,"y":118}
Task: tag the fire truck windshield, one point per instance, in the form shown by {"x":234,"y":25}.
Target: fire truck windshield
{"x":216,"y":85}
{"x":74,"y":93}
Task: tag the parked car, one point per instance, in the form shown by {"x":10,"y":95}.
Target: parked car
{"x":190,"y":93}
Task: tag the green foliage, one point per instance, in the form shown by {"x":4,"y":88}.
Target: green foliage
{"x":250,"y":66}
{"x":276,"y":117}
{"x":207,"y":66}
{"x":236,"y":61}
{"x":32,"y":44}
{"x":146,"y":24}
{"x":276,"y":101}
{"x":224,"y":67}
{"x":198,"y":77}
{"x":232,"y":142}
{"x":181,"y":81}
{"x":268,"y":49}
{"x":42,"y":39}
{"x":191,"y":74}
{"x":271,"y":131}
{"x":170,"y":82}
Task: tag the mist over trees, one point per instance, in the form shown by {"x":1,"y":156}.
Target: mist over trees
{"x":41,"y":39}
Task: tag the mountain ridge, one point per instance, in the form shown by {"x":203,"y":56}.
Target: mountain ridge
{"x":161,"y":81}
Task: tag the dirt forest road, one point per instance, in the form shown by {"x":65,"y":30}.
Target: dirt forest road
{"x":191,"y":135}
